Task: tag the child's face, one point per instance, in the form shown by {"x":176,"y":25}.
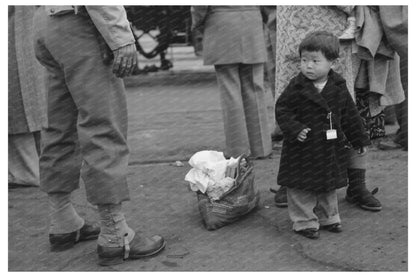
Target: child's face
{"x":315,"y":66}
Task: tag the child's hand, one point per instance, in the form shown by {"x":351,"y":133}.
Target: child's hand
{"x":303,"y":134}
{"x":362,"y":150}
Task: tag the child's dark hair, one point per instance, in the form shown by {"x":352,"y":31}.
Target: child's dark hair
{"x":322,"y":41}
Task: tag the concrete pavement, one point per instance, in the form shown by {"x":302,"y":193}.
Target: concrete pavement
{"x":171,"y":116}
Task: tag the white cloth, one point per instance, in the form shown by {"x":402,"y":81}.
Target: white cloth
{"x":208,"y":174}
{"x":320,"y":86}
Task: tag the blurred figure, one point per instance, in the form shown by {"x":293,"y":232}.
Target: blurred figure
{"x":27,"y":111}
{"x":86,"y":134}
{"x":394,"y":20}
{"x":349,"y":32}
{"x":234,"y":43}
{"x":377,"y":83}
{"x":269,"y":18}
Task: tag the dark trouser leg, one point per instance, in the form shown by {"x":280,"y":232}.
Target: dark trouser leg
{"x":357,"y":191}
{"x":402,"y":108}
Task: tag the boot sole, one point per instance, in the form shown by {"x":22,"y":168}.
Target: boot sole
{"x":103,"y":261}
{"x":373,"y":209}
{"x":68,"y":245}
{"x":62,"y":247}
{"x":368,"y":208}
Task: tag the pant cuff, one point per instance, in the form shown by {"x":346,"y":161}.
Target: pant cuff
{"x":301,"y":225}
{"x":330,"y":220}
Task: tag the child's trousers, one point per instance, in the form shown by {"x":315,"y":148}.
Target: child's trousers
{"x":308,"y":209}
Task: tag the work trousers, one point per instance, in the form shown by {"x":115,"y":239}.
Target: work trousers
{"x":244,"y":109}
{"x":308,"y":209}
{"x":87,"y":112}
{"x":23,"y":159}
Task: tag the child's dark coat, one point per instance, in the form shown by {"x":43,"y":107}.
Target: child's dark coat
{"x":317,"y":164}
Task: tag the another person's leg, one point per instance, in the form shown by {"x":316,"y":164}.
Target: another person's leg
{"x":236,"y":136}
{"x":280,"y":196}
{"x":357,"y":191}
{"x":271,"y":74}
{"x":252,"y":90}
{"x":23,"y":165}
{"x":402,"y":108}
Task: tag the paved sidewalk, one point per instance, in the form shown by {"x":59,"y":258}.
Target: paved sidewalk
{"x":170,"y":118}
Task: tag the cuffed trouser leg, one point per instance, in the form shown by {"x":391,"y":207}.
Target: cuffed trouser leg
{"x":236,"y":136}
{"x":300,"y":205}
{"x":327,"y":208}
{"x":253,"y":95}
{"x":311,"y":209}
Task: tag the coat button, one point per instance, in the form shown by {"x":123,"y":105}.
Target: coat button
{"x":52,"y":10}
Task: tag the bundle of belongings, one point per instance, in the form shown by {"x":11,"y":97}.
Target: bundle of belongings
{"x":225,"y":188}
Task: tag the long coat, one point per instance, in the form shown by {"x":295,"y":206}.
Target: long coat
{"x":232,"y":34}
{"x":27,"y":106}
{"x":317,"y":164}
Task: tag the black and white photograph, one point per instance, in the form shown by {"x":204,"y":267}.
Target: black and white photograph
{"x":189,"y":137}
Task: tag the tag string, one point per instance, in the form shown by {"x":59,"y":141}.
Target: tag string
{"x":330,"y":120}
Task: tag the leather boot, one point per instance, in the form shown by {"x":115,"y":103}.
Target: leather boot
{"x":280,"y":197}
{"x":66,"y":227}
{"x":358,"y":193}
{"x":117,"y":242}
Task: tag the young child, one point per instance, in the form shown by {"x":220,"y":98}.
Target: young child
{"x":320,"y":122}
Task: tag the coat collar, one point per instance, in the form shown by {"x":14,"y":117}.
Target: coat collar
{"x":306,"y":88}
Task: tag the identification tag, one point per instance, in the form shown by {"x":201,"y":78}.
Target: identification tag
{"x":331,"y":133}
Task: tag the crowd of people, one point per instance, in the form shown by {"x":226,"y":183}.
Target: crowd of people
{"x":330,"y":74}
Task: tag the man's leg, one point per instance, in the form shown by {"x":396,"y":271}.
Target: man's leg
{"x":253,"y":95}
{"x":102,"y":131}
{"x":236,"y":136}
{"x":60,"y":159}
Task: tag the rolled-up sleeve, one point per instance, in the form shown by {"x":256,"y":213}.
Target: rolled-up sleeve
{"x":112,"y":23}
